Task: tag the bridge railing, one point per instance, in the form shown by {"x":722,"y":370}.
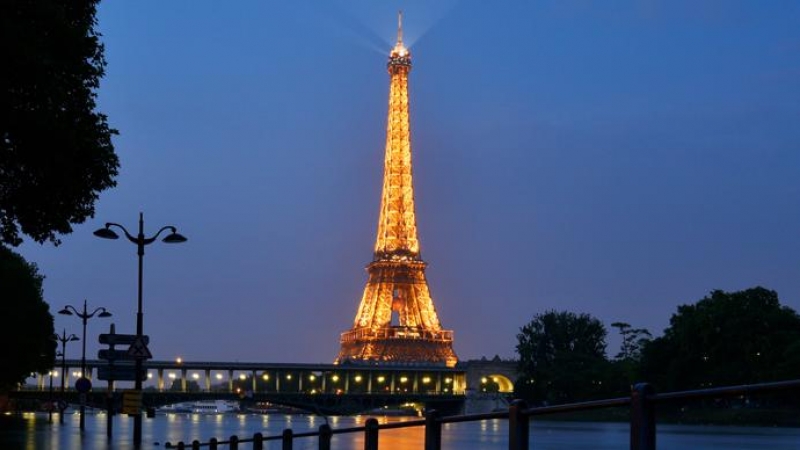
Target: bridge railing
{"x":641,"y":402}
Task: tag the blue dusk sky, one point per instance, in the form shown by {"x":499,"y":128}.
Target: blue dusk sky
{"x":616,"y":158}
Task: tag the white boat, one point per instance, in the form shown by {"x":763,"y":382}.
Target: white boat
{"x":201,"y":407}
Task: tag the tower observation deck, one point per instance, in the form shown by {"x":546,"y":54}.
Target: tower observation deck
{"x":396,"y":322}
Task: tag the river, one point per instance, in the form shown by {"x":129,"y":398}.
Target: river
{"x":31,"y":431}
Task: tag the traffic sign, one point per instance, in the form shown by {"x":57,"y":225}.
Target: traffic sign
{"x":131,"y":401}
{"x":114,"y":355}
{"x":139,"y":350}
{"x":120,"y":373}
{"x":121,"y":339}
{"x":83,"y":385}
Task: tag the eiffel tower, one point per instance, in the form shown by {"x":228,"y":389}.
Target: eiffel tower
{"x":396,"y":322}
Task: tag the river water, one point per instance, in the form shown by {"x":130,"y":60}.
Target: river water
{"x":32,"y":431}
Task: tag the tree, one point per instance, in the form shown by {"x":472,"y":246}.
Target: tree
{"x":561,"y":358}
{"x":28,"y":328}
{"x":633,"y":341}
{"x":726,"y":339}
{"x":56,"y":154}
{"x":191,"y":386}
{"x":626,"y":366}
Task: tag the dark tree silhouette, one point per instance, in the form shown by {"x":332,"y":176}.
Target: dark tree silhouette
{"x":727,"y":338}
{"x":27,"y":329}
{"x":561,"y":358}
{"x":56,"y":154}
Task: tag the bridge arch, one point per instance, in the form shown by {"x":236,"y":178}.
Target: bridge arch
{"x":493,"y":375}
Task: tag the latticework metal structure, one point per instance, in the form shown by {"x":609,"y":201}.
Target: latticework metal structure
{"x":396,"y":321}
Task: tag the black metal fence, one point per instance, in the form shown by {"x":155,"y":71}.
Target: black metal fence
{"x":641,"y":402}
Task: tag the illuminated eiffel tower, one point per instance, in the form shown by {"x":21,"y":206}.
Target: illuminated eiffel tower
{"x":396,"y":321}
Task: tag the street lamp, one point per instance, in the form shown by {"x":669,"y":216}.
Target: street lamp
{"x":141,"y":241}
{"x":63,"y":338}
{"x":84,"y":316}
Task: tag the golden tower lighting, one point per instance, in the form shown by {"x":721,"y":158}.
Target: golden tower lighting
{"x":396,"y":322}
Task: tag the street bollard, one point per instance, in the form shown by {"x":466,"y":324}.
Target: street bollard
{"x":234,"y":442}
{"x":518,"y":427}
{"x":258,"y":441}
{"x":643,"y":418}
{"x":371,"y":434}
{"x":195,"y":445}
{"x":212,"y":444}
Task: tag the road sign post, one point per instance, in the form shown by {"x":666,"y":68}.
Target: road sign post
{"x":121,"y":362}
{"x":121,"y":339}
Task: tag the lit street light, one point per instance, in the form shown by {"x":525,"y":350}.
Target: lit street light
{"x":141,"y":241}
{"x":63,"y":338}
{"x":83,"y":384}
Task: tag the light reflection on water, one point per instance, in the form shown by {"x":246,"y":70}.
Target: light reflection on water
{"x":33,"y":432}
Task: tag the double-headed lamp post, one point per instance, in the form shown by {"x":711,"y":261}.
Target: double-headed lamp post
{"x":84,"y":316}
{"x":63,"y":338}
{"x":141,"y":241}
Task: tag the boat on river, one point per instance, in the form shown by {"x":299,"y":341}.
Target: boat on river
{"x":201,"y":407}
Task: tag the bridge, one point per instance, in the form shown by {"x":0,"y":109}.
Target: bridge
{"x":322,"y":388}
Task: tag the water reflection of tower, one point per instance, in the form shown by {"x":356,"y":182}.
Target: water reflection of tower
{"x":396,"y":322}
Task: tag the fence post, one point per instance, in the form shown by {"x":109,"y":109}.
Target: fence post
{"x":325,"y":434}
{"x":195,"y":445}
{"x":643,"y":418}
{"x":212,"y":444}
{"x":234,"y":442}
{"x":518,"y":428}
{"x":288,"y":439}
{"x":258,"y":441}
{"x":433,"y":430}
{"x":371,"y":434}
{"x":181,"y":445}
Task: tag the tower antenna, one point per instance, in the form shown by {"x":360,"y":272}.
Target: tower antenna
{"x":400,"y":27}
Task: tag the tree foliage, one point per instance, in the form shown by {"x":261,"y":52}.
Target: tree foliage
{"x":56,"y":154}
{"x":726,"y":339}
{"x":27,"y":333}
{"x":562,"y":357}
{"x":633,"y":341}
